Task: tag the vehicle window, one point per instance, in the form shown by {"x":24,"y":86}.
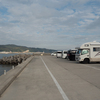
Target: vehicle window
{"x":84,"y":52}
{"x":96,"y":49}
{"x":73,"y":51}
{"x":59,"y":52}
{"x":79,"y":51}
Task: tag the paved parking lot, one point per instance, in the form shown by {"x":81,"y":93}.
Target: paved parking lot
{"x":51,"y":78}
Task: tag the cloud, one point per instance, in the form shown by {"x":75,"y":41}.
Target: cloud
{"x":95,"y":24}
{"x":49,"y":23}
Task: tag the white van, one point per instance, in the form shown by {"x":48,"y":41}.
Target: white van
{"x":88,"y":52}
{"x":59,"y":54}
{"x":64,"y":54}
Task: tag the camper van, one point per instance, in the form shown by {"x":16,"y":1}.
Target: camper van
{"x":88,"y":52}
{"x":59,"y":54}
{"x":64,"y":54}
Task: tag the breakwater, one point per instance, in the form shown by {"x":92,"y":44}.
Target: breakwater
{"x":6,"y":67}
{"x":15,"y":59}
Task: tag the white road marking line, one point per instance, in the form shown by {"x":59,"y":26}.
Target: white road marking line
{"x":91,"y":67}
{"x":57,"y":84}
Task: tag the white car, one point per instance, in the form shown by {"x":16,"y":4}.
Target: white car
{"x":53,"y":54}
{"x":59,"y":54}
{"x":64,"y":54}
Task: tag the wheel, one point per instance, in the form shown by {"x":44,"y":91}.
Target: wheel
{"x":86,"y":61}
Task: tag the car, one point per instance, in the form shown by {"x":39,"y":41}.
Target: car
{"x":59,"y":54}
{"x":64,"y":54}
{"x":53,"y":54}
{"x":71,"y":54}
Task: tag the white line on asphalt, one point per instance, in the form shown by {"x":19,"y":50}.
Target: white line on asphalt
{"x":91,"y":67}
{"x":57,"y":84}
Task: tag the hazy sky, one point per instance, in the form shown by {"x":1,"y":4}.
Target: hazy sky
{"x":53,"y":24}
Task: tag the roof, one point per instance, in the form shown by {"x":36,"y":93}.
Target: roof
{"x":87,"y":45}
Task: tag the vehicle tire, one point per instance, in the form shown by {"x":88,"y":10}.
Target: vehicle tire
{"x":86,"y":61}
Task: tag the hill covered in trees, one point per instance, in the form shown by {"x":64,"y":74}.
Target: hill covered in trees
{"x":16,"y":48}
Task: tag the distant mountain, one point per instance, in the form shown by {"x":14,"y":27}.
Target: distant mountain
{"x":16,"y":48}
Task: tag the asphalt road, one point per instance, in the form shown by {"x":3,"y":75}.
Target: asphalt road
{"x":51,"y":78}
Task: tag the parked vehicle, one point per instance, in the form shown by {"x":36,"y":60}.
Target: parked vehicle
{"x":53,"y":54}
{"x":59,"y":54}
{"x":88,"y":52}
{"x":71,"y":54}
{"x":64,"y":54}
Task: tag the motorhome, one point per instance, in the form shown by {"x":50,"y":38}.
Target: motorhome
{"x":59,"y":54}
{"x":88,"y":52}
{"x":64,"y":54}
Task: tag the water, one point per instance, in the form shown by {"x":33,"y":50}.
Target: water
{"x":5,"y":67}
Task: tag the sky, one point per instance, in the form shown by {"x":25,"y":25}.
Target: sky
{"x":51,"y":24}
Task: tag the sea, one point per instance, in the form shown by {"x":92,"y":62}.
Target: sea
{"x":5,"y":67}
